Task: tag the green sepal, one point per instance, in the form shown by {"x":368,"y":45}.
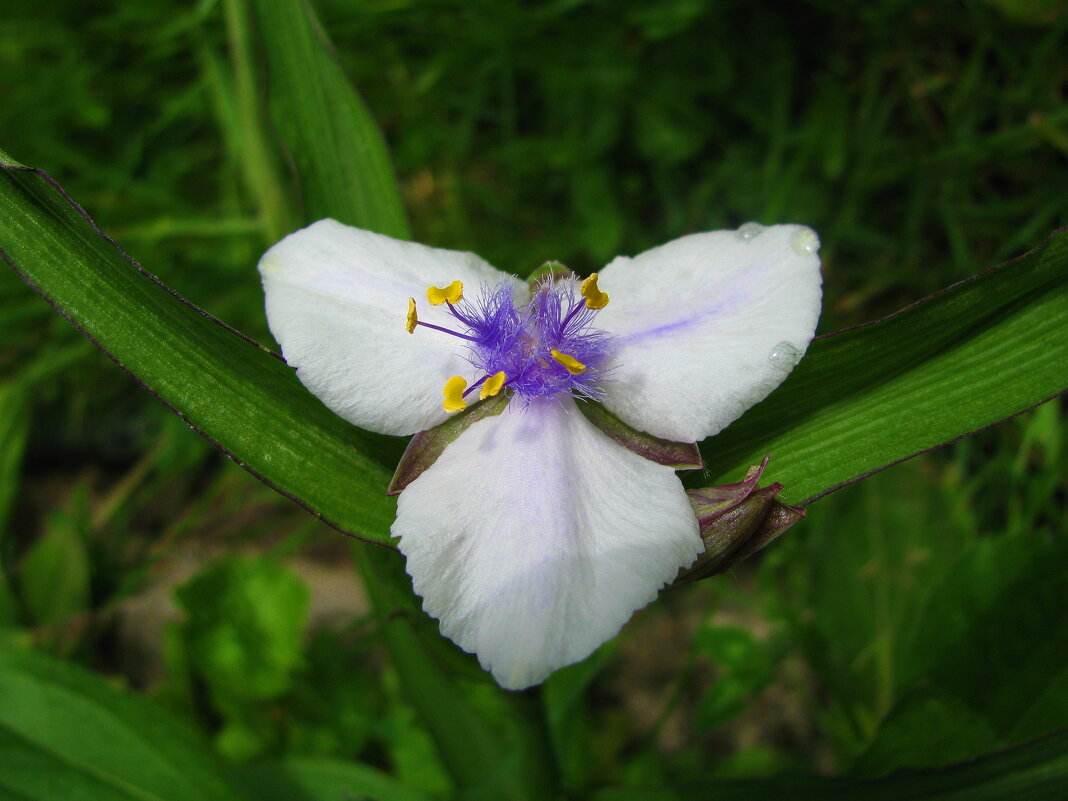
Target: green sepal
{"x":679,"y":455}
{"x":551,"y":269}
{"x":426,"y":446}
{"x":737,"y":520}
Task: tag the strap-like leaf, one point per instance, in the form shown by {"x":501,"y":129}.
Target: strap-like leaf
{"x":343,"y":167}
{"x":237,"y":394}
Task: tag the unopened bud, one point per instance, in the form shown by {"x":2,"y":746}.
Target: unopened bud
{"x":737,"y":520}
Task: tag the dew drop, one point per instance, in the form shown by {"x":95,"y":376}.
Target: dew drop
{"x":749,"y":230}
{"x":805,"y":241}
{"x":785,"y":355}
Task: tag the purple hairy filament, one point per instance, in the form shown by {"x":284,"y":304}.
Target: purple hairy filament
{"x":546,"y":347}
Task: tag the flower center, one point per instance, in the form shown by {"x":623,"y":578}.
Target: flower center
{"x":545,"y":347}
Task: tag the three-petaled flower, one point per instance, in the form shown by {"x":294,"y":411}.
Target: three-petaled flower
{"x":535,"y":535}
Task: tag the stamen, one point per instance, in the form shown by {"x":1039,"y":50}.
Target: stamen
{"x":446,"y":331}
{"x":413,"y":318}
{"x":453,"y":293}
{"x":595,"y":298}
{"x":570,"y":363}
{"x":454,"y":394}
{"x":492,"y":385}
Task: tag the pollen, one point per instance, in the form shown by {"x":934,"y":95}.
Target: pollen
{"x":595,"y":298}
{"x":453,"y":293}
{"x":413,"y":318}
{"x":492,"y":385}
{"x":570,"y":363}
{"x":454,"y":394}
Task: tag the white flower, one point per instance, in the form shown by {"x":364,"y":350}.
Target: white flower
{"x":534,"y":536}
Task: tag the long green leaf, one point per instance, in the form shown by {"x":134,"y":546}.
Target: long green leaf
{"x":343,"y":167}
{"x":1037,"y":771}
{"x":234,"y":392}
{"x":866,"y":398}
{"x":68,"y":734}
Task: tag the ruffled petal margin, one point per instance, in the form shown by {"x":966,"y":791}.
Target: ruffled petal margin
{"x":534,"y":537}
{"x":336,"y":302}
{"x":708,"y":325}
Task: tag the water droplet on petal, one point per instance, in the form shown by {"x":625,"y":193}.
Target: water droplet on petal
{"x":805,"y":241}
{"x":749,"y":230}
{"x":785,"y":355}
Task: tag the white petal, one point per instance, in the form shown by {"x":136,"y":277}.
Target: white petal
{"x":534,"y":537}
{"x":698,"y":321}
{"x":337,"y":299}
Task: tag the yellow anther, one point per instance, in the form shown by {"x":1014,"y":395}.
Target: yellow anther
{"x":595,"y":298}
{"x":453,"y":293}
{"x":454,"y":394}
{"x":570,"y":363}
{"x":492,"y":385}
{"x":413,"y":318}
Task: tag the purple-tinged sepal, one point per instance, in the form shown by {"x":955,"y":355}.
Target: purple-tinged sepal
{"x":552,"y":270}
{"x":679,"y":455}
{"x":426,"y":446}
{"x":737,"y":520}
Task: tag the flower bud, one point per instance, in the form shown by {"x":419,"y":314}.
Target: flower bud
{"x":737,"y":520}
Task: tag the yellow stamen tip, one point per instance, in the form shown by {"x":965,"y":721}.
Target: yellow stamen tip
{"x":570,"y":363}
{"x":492,"y":385}
{"x":454,"y":394}
{"x":595,"y":298}
{"x":453,"y":293}
{"x":413,"y":318}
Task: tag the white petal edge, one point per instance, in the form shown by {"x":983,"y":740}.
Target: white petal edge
{"x":337,"y":299}
{"x":534,"y":537}
{"x":708,"y":325}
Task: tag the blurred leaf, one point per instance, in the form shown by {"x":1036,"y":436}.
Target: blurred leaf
{"x":54,"y":574}
{"x":9,"y":605}
{"x":928,"y":729}
{"x":745,"y":664}
{"x":14,"y":427}
{"x":343,"y":166}
{"x":932,"y":648}
{"x":986,"y":635}
{"x":1036,"y":771}
{"x":962,"y":359}
{"x":304,"y":779}
{"x":857,"y":582}
{"x":66,"y":734}
{"x":231,"y":390}
{"x":245,"y":626}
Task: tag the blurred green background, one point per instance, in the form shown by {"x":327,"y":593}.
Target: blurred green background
{"x":913,"y":620}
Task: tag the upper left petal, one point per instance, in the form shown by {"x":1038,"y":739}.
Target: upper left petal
{"x":534,"y":537}
{"x":336,"y":302}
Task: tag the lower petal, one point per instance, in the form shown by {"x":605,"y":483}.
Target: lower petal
{"x":534,"y":537}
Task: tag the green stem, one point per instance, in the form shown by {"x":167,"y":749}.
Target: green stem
{"x":538,"y":767}
{"x":255,"y":154}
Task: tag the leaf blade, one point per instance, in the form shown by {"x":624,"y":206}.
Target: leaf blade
{"x":342,"y":164}
{"x":234,"y":392}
